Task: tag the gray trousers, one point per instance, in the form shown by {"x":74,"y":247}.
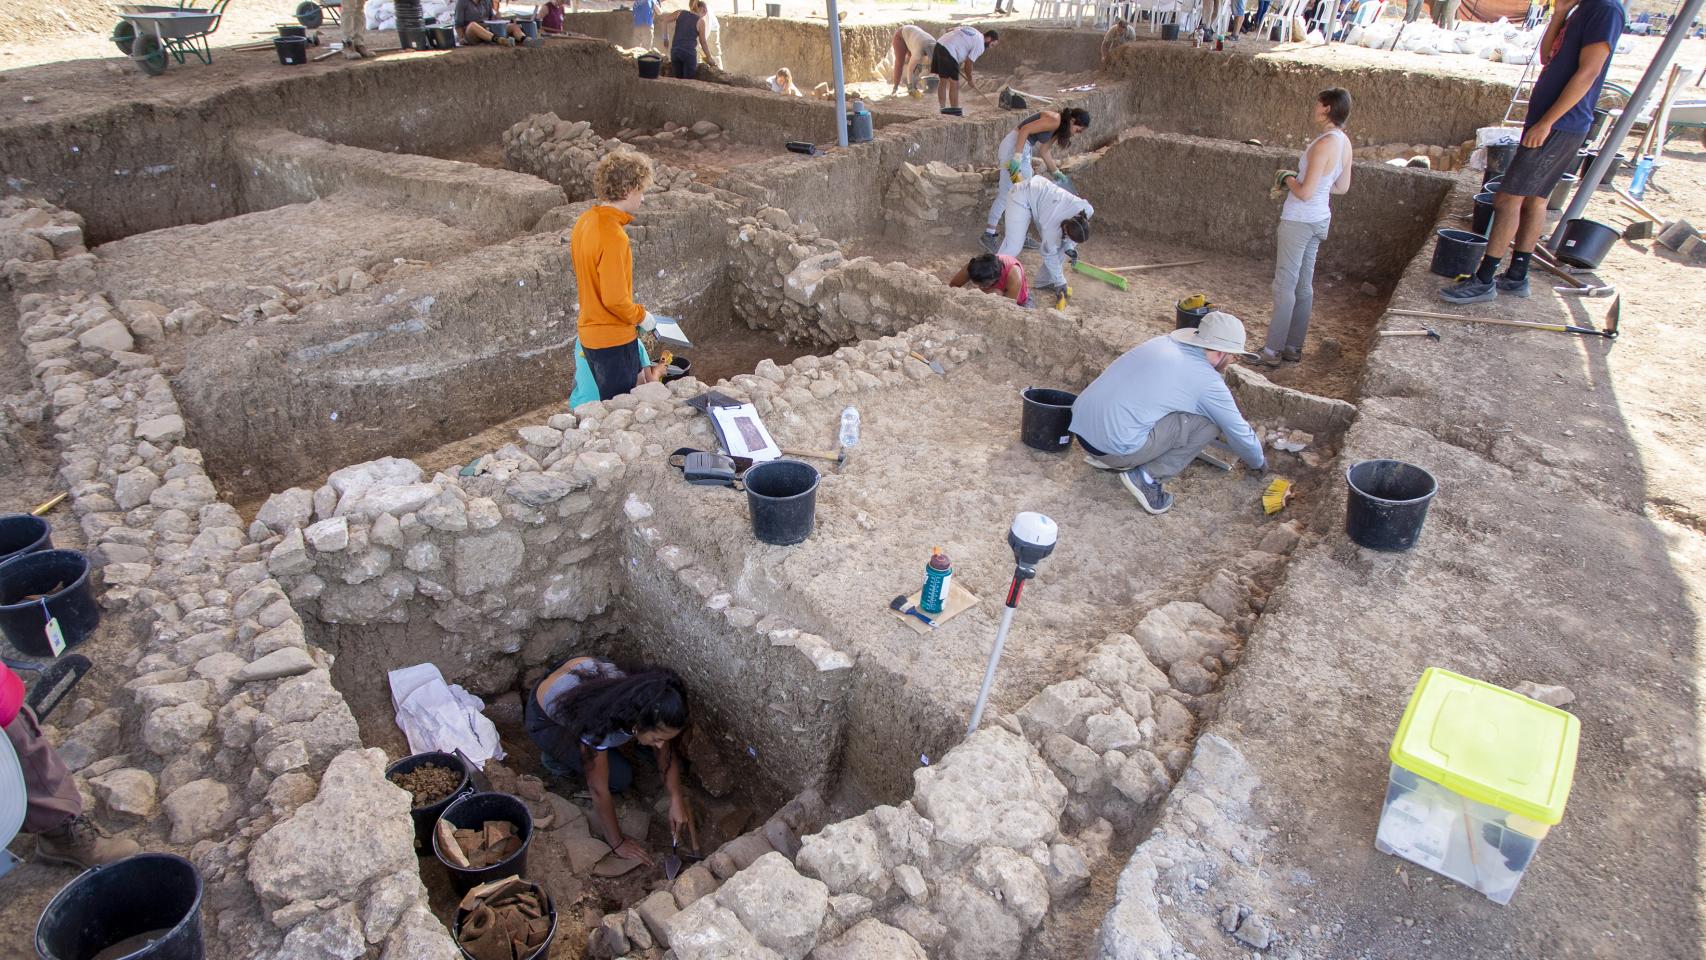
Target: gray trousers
{"x":1173,"y":443}
{"x":1294,"y":283}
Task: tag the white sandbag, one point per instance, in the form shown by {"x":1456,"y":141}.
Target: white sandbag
{"x":1354,"y":35}
{"x":434,"y":715}
{"x":1518,"y":55}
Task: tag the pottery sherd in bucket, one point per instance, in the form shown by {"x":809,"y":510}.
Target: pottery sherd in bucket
{"x":1046,"y":419}
{"x":150,"y":903}
{"x":1388,"y":503}
{"x":782,"y":495}
{"x":470,"y":812}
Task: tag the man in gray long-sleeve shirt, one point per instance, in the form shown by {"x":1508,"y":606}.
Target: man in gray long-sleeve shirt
{"x":1160,"y":403}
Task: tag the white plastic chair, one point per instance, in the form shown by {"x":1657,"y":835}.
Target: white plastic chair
{"x":1283,"y":12}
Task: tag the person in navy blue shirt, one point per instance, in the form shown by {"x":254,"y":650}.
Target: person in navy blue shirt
{"x":1576,"y":51}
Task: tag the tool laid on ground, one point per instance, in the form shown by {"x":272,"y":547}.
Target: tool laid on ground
{"x":1428,"y":332}
{"x":1134,"y":268}
{"x":1609,"y":333}
{"x":1218,"y":457}
{"x":839,"y":457}
{"x":1574,"y":286}
{"x":1276,"y":496}
{"x":900,"y":606}
{"x":47,"y":505}
{"x":1103,"y":274}
{"x":934,"y":365}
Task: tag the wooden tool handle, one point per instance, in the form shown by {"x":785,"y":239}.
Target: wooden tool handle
{"x":1639,"y":208}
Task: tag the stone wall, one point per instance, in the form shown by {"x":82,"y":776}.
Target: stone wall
{"x":926,"y":204}
{"x":230,"y":742}
{"x":566,"y":152}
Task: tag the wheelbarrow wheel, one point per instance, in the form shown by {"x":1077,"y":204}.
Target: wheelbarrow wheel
{"x":149,"y":55}
{"x":124,"y":36}
{"x":309,"y":14}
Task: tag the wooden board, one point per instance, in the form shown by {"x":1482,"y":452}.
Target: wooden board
{"x":959,"y":601}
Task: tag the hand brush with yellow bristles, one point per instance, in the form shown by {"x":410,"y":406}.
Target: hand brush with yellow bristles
{"x":1274,"y":498}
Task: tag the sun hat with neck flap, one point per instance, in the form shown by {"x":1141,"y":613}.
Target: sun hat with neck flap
{"x":1218,"y":331}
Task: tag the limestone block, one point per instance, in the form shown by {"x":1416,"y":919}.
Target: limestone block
{"x":1063,"y":708}
{"x":287,"y":509}
{"x":127,"y":791}
{"x":168,"y":730}
{"x":355,"y":829}
{"x":992,"y":788}
{"x":1017,"y":879}
{"x":781,"y":908}
{"x":198,"y":809}
{"x":709,"y":931}
{"x":1181,"y":630}
{"x":484,"y":562}
{"x":977,"y":926}
{"x":871,"y":940}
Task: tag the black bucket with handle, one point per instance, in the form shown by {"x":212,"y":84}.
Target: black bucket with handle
{"x":47,"y":584}
{"x":1457,"y":253}
{"x":1499,"y":156}
{"x":1388,"y":503}
{"x":468,"y":812}
{"x":782,"y":495}
{"x":145,"y":907}
{"x":292,"y":51}
{"x":1047,"y":420}
{"x":22,"y":533}
{"x":1586,"y":242}
{"x":464,"y":917}
{"x":426,"y":816}
{"x":651,"y":66}
{"x":1482,"y":222}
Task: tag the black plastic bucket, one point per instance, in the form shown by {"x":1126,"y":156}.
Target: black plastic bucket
{"x":441,"y":38}
{"x":859,"y":128}
{"x":292,"y":51}
{"x":1492,"y":186}
{"x":1457,"y":252}
{"x":1599,"y":118}
{"x":426,"y":818}
{"x":22,"y":533}
{"x":152,"y":894}
{"x":651,"y":66}
{"x":544,"y":948}
{"x":1388,"y":503}
{"x":772,"y":9}
{"x":1047,"y":420}
{"x":1169,"y":31}
{"x":678,"y":367}
{"x":292,"y":30}
{"x":467,"y":813}
{"x":1560,"y":194}
{"x":1482,"y":222}
{"x":24,"y":622}
{"x":1586,"y":242}
{"x":782,"y":495}
{"x":1587,"y":158}
{"x":1499,"y":157}
{"x":1183,"y":317}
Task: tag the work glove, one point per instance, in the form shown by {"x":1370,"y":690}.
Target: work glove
{"x":1072,"y":254}
{"x":649,"y":324}
{"x":1280,"y":175}
{"x":1062,"y":179}
{"x":1013,"y":167}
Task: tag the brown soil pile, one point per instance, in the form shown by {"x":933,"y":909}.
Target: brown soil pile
{"x":429,"y":783}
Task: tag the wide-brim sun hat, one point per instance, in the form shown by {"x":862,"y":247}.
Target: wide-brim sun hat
{"x":1217,"y":331}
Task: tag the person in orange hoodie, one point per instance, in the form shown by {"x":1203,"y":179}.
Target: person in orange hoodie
{"x":610,"y":321}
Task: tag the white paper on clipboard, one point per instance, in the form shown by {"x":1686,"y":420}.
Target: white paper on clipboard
{"x":743,"y":433}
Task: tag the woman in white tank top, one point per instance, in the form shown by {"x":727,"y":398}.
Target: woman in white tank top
{"x":1323,"y":170}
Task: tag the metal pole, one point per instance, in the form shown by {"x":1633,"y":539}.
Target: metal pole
{"x":840,"y":85}
{"x":1626,"y":122}
{"x":989,"y":671}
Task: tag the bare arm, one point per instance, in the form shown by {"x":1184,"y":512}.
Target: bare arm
{"x":1319,"y":151}
{"x":1342,"y":185}
{"x":1553,"y":29}
{"x":597,"y":767}
{"x":960,"y":279}
{"x":704,"y":44}
{"x":1015,"y":283}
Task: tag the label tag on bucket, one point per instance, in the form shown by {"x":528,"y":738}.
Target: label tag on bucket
{"x":55,"y":636}
{"x":1066,"y":441}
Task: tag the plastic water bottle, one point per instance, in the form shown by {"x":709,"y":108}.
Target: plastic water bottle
{"x":850,"y":427}
{"x":937,"y":575}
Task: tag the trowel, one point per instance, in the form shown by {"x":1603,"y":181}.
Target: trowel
{"x":678,"y":861}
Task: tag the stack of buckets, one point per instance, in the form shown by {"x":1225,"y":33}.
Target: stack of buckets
{"x":411,"y":27}
{"x":46,"y":605}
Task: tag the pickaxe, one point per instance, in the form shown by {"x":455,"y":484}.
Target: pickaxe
{"x":1573,"y":287}
{"x":1428,"y":332}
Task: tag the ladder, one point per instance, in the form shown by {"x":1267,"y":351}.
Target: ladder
{"x":1516,"y":112}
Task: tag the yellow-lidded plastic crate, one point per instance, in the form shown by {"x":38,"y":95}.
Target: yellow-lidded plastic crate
{"x":1479,"y":774}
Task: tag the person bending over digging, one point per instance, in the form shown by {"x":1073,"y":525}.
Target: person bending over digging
{"x":585,"y":711}
{"x":1041,"y":132}
{"x":610,"y":321}
{"x":997,"y":274}
{"x":1154,"y":409}
{"x":1063,"y":222}
{"x":53,"y":807}
{"x":1323,"y":170}
{"x":1560,"y":113}
{"x":1118,"y":35}
{"x":955,"y":51}
{"x":687,"y":37}
{"x":913,"y":47}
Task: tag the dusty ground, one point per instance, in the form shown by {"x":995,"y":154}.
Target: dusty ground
{"x":1339,"y":332}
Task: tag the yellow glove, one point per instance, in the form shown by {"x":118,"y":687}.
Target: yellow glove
{"x":1195,"y":301}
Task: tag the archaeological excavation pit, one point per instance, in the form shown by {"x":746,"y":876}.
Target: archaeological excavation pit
{"x":366,"y":338}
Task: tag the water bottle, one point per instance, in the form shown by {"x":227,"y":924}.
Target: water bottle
{"x":850,"y":427}
{"x":937,"y":574}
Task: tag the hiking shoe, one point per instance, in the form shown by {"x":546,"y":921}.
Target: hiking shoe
{"x":1290,"y":355}
{"x":991,"y":242}
{"x":1469,"y":291}
{"x":1267,"y":358}
{"x":80,"y":843}
{"x":1511,"y":288}
{"x":1096,"y":462}
{"x":1149,"y":494}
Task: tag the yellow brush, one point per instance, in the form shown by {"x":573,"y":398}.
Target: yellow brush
{"x":1275,"y":496}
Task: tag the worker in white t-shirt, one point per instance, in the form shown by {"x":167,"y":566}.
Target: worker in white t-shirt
{"x":912,"y":47}
{"x":955,"y":51}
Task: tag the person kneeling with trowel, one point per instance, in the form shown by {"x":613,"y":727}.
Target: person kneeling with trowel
{"x":1160,"y":403}
{"x":1063,"y":222}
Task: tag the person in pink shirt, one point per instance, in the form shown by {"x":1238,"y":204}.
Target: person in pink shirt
{"x":998,"y":274}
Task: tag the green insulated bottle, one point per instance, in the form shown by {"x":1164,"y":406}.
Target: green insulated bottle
{"x":937,"y":573}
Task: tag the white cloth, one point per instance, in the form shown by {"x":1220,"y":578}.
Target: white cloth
{"x":1049,"y":205}
{"x":1315,"y":209}
{"x":964,"y":43}
{"x":435,"y":715}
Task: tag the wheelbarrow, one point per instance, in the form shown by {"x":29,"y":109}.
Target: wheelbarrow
{"x":313,"y":13}
{"x":155,"y":35}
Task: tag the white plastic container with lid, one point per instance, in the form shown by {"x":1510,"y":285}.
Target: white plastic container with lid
{"x":1479,"y":775}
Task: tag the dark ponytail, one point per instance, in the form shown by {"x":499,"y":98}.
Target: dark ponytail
{"x":1069,"y":116}
{"x":640,"y":701}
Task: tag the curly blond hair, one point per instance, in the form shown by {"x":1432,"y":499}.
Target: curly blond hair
{"x":620,"y":174}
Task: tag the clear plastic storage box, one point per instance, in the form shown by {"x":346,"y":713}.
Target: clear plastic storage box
{"x":1479,"y":774}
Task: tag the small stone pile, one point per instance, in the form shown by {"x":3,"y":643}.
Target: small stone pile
{"x":40,"y":243}
{"x":934,"y":200}
{"x":566,"y":152}
{"x":701,"y":135}
{"x":1438,"y":157}
{"x":494,"y":842}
